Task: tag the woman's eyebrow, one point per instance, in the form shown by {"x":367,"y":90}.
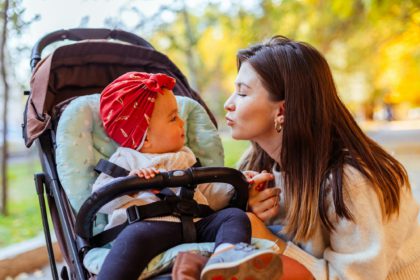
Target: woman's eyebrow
{"x":240,"y":84}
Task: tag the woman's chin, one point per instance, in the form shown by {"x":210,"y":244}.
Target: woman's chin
{"x":237,"y":136}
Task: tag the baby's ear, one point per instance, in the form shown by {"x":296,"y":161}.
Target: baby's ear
{"x":146,"y":144}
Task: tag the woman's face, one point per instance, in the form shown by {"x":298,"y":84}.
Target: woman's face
{"x":250,"y":113}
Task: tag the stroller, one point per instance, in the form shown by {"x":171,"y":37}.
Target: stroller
{"x":86,"y":66}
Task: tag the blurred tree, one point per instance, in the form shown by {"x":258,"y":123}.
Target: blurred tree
{"x":3,"y":74}
{"x":365,"y":42}
{"x":383,"y":47}
{"x":177,"y":29}
{"x":399,"y":59}
{"x":12,"y":24}
{"x":179,"y":34}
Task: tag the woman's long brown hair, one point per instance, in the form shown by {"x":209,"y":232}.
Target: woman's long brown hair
{"x":319,"y":137}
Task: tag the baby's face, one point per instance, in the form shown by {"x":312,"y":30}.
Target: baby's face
{"x":166,"y":129}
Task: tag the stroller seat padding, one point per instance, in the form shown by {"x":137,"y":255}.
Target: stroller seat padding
{"x":82,"y":142}
{"x":94,"y":259}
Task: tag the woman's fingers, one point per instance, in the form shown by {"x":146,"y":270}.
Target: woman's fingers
{"x":265,"y":204}
{"x":263,"y":195}
{"x":269,"y":214}
{"x":262,"y":178}
{"x":249,"y":174}
{"x":260,"y":181}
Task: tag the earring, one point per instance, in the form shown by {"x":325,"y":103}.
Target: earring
{"x":278,"y":126}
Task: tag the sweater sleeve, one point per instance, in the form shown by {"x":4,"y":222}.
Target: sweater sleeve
{"x":357,"y":249}
{"x":103,"y":179}
{"x":218,"y":195}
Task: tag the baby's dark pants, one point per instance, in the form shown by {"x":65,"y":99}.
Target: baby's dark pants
{"x":139,"y":242}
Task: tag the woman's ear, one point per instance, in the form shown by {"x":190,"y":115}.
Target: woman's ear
{"x":281,"y":110}
{"x":282,"y":107}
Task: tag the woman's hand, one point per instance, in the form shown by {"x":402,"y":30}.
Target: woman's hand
{"x":263,"y":201}
{"x":265,"y":204}
{"x":258,"y":181}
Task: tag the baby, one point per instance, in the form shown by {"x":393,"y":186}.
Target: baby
{"x":139,"y":111}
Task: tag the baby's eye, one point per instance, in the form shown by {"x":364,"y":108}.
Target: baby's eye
{"x":240,"y":94}
{"x":174,"y":118}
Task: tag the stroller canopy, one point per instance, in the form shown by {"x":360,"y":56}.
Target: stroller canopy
{"x":87,"y":67}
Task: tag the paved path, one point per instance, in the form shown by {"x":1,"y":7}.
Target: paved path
{"x":402,"y":140}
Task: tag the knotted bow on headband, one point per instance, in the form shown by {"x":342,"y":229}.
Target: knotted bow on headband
{"x":127,"y":104}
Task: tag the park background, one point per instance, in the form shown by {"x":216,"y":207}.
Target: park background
{"x":372,"y":46}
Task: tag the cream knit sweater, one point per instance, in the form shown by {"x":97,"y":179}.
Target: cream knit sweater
{"x":368,"y":248}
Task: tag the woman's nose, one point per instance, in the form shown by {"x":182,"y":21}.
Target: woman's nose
{"x":229,"y":106}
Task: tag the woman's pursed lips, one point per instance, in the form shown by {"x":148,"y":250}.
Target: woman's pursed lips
{"x":229,"y":121}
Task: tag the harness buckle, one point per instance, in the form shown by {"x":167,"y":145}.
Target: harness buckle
{"x":133,"y":214}
{"x":187,"y":207}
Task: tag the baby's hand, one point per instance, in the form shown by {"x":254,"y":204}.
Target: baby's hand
{"x":146,"y":173}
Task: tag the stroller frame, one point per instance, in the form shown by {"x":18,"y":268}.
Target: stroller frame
{"x":47,"y":183}
{"x":74,"y":233}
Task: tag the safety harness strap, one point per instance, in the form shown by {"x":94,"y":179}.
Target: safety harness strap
{"x":183,"y":206}
{"x":175,"y":206}
{"x":111,"y":169}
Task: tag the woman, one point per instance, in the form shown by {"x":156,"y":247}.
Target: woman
{"x":344,"y":204}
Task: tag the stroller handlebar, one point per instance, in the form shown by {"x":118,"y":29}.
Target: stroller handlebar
{"x":188,"y":178}
{"x":78,"y":34}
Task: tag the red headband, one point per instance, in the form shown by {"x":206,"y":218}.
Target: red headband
{"x":127,"y":104}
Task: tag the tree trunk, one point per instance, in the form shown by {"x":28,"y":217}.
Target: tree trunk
{"x":3,"y":73}
{"x":191,"y":42}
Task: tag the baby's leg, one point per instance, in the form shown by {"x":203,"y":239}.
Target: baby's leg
{"x":136,"y":245}
{"x":233,"y":257}
{"x":227,"y":226}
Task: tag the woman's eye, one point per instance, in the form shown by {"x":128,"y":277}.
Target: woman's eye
{"x":240,"y":94}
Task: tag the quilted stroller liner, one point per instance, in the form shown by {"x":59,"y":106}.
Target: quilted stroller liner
{"x":67,"y":79}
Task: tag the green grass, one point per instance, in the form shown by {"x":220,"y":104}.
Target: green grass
{"x":24,"y":219}
{"x":233,"y":150}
